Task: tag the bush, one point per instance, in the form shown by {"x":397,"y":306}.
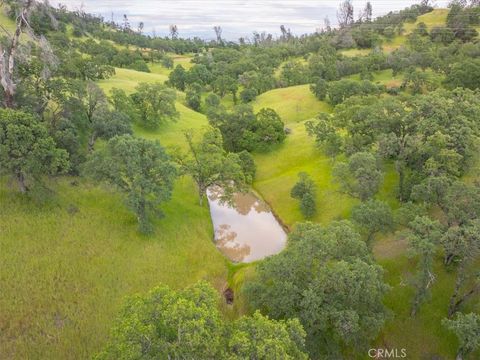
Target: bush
{"x":305,"y":191}
{"x":139,"y":65}
{"x":248,"y":95}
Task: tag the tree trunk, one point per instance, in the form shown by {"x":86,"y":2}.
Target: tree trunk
{"x":448,"y":259}
{"x":7,"y":59}
{"x":452,"y":307}
{"x":21,"y":182}
{"x":201,"y":194}
{"x":413,"y":312}
{"x":459,"y":355}
{"x":401,"y":183}
{"x":370,"y":238}
{"x":8,"y":100}
{"x":91,"y":142}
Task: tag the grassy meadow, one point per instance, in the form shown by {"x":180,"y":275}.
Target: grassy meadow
{"x":293,"y":104}
{"x":67,"y":264}
{"x":5,"y":21}
{"x":277,"y":171}
{"x":437,"y":17}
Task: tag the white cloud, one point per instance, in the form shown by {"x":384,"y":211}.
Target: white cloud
{"x":236,"y":17}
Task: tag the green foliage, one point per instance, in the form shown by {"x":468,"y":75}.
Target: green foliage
{"x":108,"y":124}
{"x":242,"y":129}
{"x":326,"y":135}
{"x":248,"y":95}
{"x":140,"y":65}
{"x":425,"y":135}
{"x":442,"y":35}
{"x":294,"y":73}
{"x":248,"y":165}
{"x":308,"y":206}
{"x":462,"y":247}
{"x":258,"y":337}
{"x":225,"y":84}
{"x":155,"y":104}
{"x":339,"y":91}
{"x":467,"y":329}
{"x":424,"y":236}
{"x":193,"y":96}
{"x":462,"y":203}
{"x":210,"y":165}
{"x":372,"y":217}
{"x":323,"y":65}
{"x":304,"y":185}
{"x":168,"y":324}
{"x":365,"y":37}
{"x":415,"y":80}
{"x":199,"y":74}
{"x":212,"y":101}
{"x":177,"y":78}
{"x":433,"y":190}
{"x":186,"y":324}
{"x":421,"y":29}
{"x":167,"y":61}
{"x":464,"y":74}
{"x":360,"y":176}
{"x":320,"y":89}
{"x":27,"y":152}
{"x":328,"y":280}
{"x":305,"y":191}
{"x":259,"y":82}
{"x":268,"y":129}
{"x":459,"y":20}
{"x":139,"y":168}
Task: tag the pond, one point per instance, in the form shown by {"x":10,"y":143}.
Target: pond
{"x":245,"y":230}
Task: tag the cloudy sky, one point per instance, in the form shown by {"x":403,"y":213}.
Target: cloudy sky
{"x":236,"y":17}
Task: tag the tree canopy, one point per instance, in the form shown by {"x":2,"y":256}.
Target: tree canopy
{"x":27,"y":151}
{"x":210,"y":165}
{"x":327,"y":278}
{"x":140,"y":169}
{"x":187,"y":324}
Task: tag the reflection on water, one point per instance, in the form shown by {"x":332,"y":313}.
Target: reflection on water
{"x":246,"y":230}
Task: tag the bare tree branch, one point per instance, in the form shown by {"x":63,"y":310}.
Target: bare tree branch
{"x":8,"y":55}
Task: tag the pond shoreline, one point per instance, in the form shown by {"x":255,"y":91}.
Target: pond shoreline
{"x":285,"y":227}
{"x":247,"y":230}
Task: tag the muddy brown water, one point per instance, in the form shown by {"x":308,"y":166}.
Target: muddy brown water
{"x":245,"y":230}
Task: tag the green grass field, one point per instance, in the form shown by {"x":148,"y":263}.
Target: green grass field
{"x":277,"y":173}
{"x":64,"y":288}
{"x":293,"y":104}
{"x":184,"y":60}
{"x":384,"y":77}
{"x":67,"y":265}
{"x":437,"y":17}
{"x":355,"y":52}
{"x":127,"y":80}
{"x":5,"y":21}
{"x":171,"y":134}
{"x":423,"y":336}
{"x":277,"y":170}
